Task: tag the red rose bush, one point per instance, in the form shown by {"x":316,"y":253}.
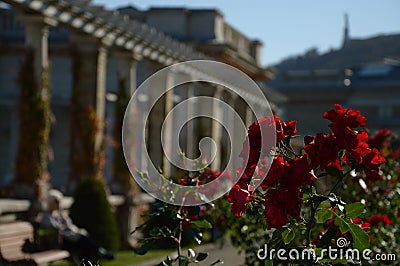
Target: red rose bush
{"x":303,"y":199}
{"x":338,"y":190}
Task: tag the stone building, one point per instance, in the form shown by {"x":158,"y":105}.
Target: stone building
{"x":362,"y":74}
{"x":125,"y":43}
{"x":90,"y":51}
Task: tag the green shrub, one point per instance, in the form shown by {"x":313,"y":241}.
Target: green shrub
{"x":92,"y":211}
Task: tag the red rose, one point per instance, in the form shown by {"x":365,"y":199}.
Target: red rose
{"x":290,"y":128}
{"x":274,"y":212}
{"x":323,"y":151}
{"x":380,"y":139}
{"x":267,"y":125}
{"x":209,"y":175}
{"x":346,"y":117}
{"x":346,"y":137}
{"x":371,"y":163}
{"x":275,"y":174}
{"x":373,"y":158}
{"x":357,"y":154}
{"x":308,"y":139}
{"x":299,"y":173}
{"x":363,"y":225}
{"x":251,"y":154}
{"x":239,"y":197}
{"x":291,"y":200}
{"x":376,"y":219}
{"x":284,"y":130}
{"x":280,"y":204}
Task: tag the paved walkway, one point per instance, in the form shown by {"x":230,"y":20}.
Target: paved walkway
{"x":227,"y":254}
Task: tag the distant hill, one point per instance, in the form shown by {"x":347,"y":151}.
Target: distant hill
{"x":355,"y":52}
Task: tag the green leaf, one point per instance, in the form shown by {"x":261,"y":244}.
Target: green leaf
{"x":144,"y":248}
{"x":301,"y":226}
{"x":325,"y":204}
{"x":269,"y":263}
{"x":202,"y":256}
{"x":163,"y":231}
{"x":360,"y":238}
{"x":343,"y":225}
{"x":313,"y":190}
{"x":288,"y":235}
{"x":354,"y":210}
{"x":324,"y":215}
{"x":184,"y":261}
{"x":201,"y":224}
{"x":140,"y":227}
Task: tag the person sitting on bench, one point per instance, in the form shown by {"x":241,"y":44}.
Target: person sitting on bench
{"x":76,"y":240}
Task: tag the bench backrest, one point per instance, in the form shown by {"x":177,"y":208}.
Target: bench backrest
{"x":12,"y":238}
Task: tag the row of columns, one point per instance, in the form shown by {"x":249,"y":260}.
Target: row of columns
{"x":90,"y":90}
{"x":91,"y":85}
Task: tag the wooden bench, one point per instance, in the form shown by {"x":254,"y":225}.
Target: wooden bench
{"x":12,"y":239}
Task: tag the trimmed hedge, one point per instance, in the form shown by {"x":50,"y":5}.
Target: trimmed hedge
{"x":92,"y":211}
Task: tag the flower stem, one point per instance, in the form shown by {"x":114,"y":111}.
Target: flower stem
{"x":315,"y":206}
{"x":310,"y":223}
{"x":179,"y":242}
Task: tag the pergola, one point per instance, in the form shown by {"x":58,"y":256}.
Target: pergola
{"x":94,"y":33}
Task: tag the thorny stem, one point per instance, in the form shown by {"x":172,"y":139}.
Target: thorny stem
{"x":179,"y":240}
{"x":338,"y":182}
{"x":315,"y":207}
{"x":310,"y":222}
{"x":289,"y":148}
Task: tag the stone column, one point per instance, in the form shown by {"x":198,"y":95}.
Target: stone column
{"x":240,"y":130}
{"x":36,"y":38}
{"x":156,"y":119}
{"x":190,"y":132}
{"x":168,"y":126}
{"x":87,"y":154}
{"x":123,"y":181}
{"x":249,"y":117}
{"x":244,"y":111}
{"x":181,"y":133}
{"x":207,"y":127}
{"x":216,"y":133}
{"x":31,"y":174}
{"x":227,"y":118}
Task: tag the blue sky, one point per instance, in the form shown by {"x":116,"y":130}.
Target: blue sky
{"x":290,"y":27}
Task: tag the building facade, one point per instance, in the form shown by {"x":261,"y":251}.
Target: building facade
{"x":92,"y":54}
{"x":362,"y":74}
